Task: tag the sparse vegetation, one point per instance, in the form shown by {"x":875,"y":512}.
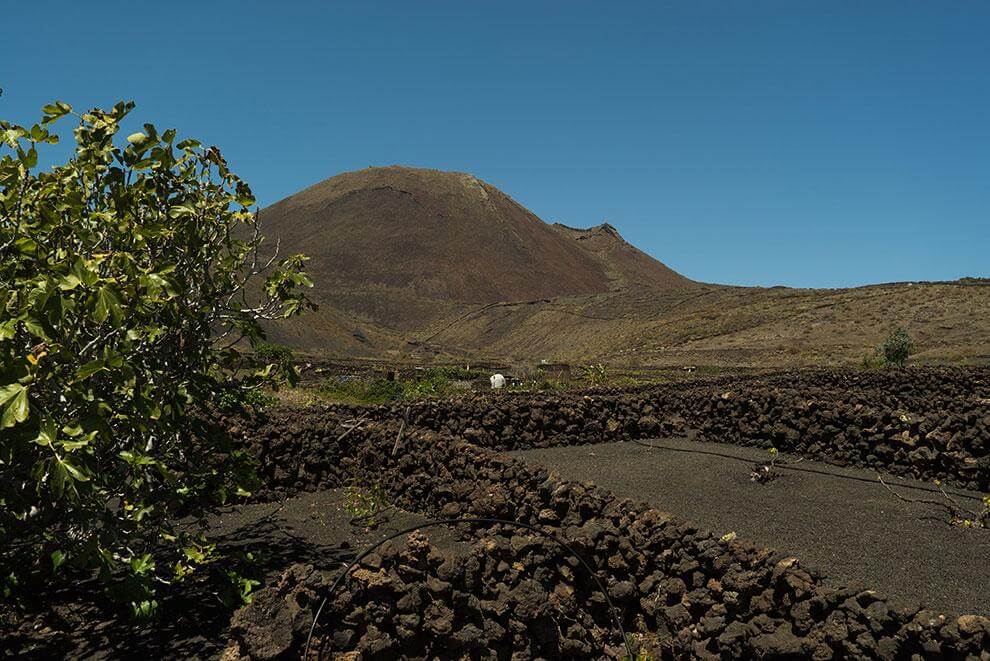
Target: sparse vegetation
{"x":956,"y":514}
{"x":594,"y":374}
{"x":767,"y":471}
{"x":454,"y":373}
{"x":365,"y":505}
{"x":538,"y":385}
{"x":642,"y":654}
{"x":359,"y":391}
{"x":433,"y":382}
{"x":709,"y":370}
{"x":269,"y":352}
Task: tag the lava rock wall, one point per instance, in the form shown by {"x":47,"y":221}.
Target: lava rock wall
{"x":692,"y":593}
{"x":924,"y":423}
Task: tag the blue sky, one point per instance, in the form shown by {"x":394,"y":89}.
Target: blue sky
{"x":800,"y":143}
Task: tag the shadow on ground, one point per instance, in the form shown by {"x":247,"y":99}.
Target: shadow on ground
{"x":310,"y":528}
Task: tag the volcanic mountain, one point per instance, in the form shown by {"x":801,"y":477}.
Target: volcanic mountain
{"x":410,"y":263}
{"x":399,"y":249}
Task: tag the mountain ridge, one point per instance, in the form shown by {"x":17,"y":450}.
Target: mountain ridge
{"x":416,"y":263}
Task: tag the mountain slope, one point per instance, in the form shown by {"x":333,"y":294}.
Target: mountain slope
{"x":625,"y":265}
{"x":733,"y":326}
{"x":422,"y":239}
{"x":419,"y":263}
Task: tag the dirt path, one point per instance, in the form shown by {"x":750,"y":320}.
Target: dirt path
{"x":844,"y":523}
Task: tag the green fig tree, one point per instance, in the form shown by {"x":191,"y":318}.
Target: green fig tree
{"x":131,"y":277}
{"x":897,"y":348}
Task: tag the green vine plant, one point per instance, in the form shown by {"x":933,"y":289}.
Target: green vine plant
{"x":766,"y":471}
{"x":956,"y":514}
{"x":641,"y":652}
{"x":130,"y":275}
{"x":365,"y":506}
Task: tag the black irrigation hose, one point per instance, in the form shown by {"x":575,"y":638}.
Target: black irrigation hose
{"x":488,"y":521}
{"x":784,"y":465}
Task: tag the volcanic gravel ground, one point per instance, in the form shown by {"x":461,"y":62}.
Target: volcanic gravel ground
{"x":309,"y":528}
{"x":843,"y":522}
{"x":316,"y":528}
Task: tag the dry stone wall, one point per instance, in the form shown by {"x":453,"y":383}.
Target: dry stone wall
{"x":687,"y":592}
{"x":923,"y":423}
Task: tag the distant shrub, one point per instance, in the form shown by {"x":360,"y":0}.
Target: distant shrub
{"x":434,"y":382}
{"x":375,"y":391}
{"x":893,"y":351}
{"x":626,"y":380}
{"x":379,"y":390}
{"x":873,"y":360}
{"x":594,"y":374}
{"x":552,"y":385}
{"x":269,"y":352}
{"x":897,"y":347}
{"x":454,"y":373}
{"x":231,"y":402}
{"x":542,"y":385}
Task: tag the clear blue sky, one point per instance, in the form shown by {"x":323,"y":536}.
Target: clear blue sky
{"x":800,"y":143}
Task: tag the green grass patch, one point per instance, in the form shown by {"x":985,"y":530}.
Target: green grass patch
{"x":433,"y":382}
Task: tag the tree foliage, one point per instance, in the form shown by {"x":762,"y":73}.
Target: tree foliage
{"x":126,"y":286}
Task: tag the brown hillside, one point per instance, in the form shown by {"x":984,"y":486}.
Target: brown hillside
{"x":624,"y":264}
{"x":421,"y":263}
{"x":732,"y":326}
{"x":401,"y":247}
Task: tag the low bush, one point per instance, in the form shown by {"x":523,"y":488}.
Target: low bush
{"x":453,"y":373}
{"x":897,"y":347}
{"x":594,"y":374}
{"x":360,"y":391}
{"x":893,"y":351}
{"x":269,"y":352}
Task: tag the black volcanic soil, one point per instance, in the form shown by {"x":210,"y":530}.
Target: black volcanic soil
{"x":843,"y":523}
{"x":839,"y":522}
{"x":310,"y":528}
